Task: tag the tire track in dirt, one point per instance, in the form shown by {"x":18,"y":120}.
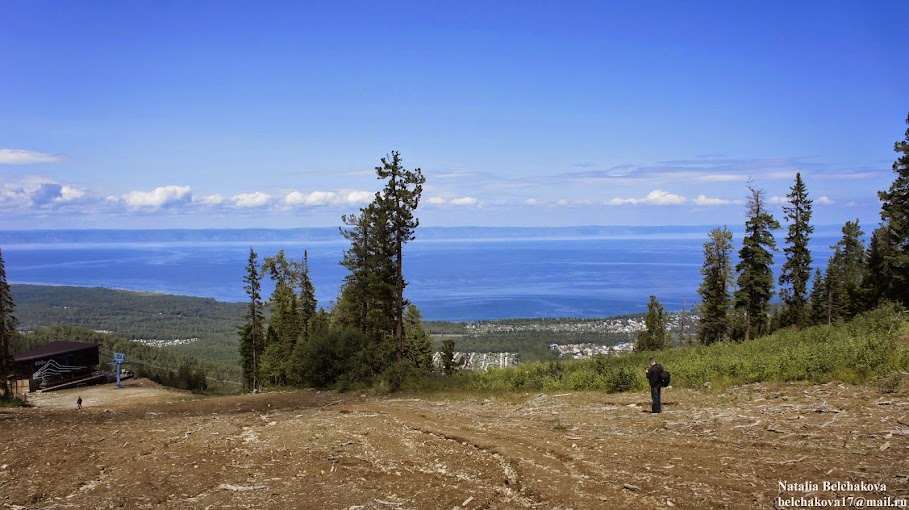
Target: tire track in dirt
{"x":538,"y":474}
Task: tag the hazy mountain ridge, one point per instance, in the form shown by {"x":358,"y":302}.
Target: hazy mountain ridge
{"x":332,"y":234}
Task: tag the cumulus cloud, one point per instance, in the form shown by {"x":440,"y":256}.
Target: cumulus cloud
{"x":359,"y":197}
{"x":250,"y":200}
{"x":163,"y":196}
{"x":824,"y":200}
{"x":319,"y":198}
{"x":705,"y":200}
{"x":532,"y":201}
{"x":463,"y":201}
{"x":215,"y":199}
{"x":655,"y":197}
{"x":435,"y":201}
{"x":777,"y":200}
{"x":51,"y":193}
{"x":21,"y":157}
{"x":562,"y":203}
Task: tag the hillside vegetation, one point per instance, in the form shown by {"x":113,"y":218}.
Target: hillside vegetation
{"x":210,"y":325}
{"x":871,"y":348}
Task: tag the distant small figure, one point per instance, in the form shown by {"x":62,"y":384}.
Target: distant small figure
{"x":79,"y":403}
{"x":654,"y":375}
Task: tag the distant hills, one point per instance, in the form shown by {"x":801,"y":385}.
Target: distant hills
{"x":332,"y":235}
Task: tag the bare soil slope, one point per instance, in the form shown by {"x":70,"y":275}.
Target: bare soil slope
{"x":144,"y":446}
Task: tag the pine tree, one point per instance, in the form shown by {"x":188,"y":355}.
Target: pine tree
{"x":796,"y":270}
{"x":368,"y":298}
{"x":820,"y":300}
{"x":417,"y":343}
{"x":755,"y":280}
{"x":400,"y":198}
{"x":714,"y":325}
{"x":8,"y":325}
{"x":889,"y":265}
{"x":846,"y":274}
{"x":653,"y":337}
{"x":307,"y":299}
{"x":252,"y":333}
{"x":284,"y":322}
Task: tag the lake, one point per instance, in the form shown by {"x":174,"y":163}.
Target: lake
{"x":452,"y":274}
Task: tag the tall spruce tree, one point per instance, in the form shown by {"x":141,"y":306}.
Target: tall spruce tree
{"x":284,"y":322}
{"x":716,"y":300}
{"x":252,"y":333}
{"x":400,"y":198}
{"x":755,"y":271}
{"x":418,"y":347}
{"x":8,"y":325}
{"x":796,"y":271}
{"x":889,"y":262}
{"x":846,"y":274}
{"x":368,"y":297}
{"x":820,"y":300}
{"x":653,"y":337}
{"x":307,"y":299}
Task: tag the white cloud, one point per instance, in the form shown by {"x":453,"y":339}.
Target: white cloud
{"x":319,"y":198}
{"x":436,"y":201}
{"x":215,"y":199}
{"x":463,"y":201}
{"x":824,"y":200}
{"x":705,"y":200}
{"x":562,"y":203}
{"x":359,"y":197}
{"x":163,"y":196}
{"x":532,"y":201}
{"x":655,"y":197}
{"x":777,"y":200}
{"x":21,"y":157}
{"x":249,"y":200}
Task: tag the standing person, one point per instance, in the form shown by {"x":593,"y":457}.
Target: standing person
{"x":654,"y":374}
{"x":79,"y":403}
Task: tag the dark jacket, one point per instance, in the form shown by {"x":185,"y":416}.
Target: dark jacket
{"x":653,"y":375}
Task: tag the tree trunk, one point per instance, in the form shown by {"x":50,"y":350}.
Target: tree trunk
{"x":399,"y":320}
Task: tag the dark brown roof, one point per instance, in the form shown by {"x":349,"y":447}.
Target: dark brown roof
{"x":52,"y":349}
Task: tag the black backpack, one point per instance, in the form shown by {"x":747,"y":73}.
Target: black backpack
{"x":665,"y":378}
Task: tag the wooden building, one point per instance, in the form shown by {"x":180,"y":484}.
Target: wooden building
{"x":55,"y":365}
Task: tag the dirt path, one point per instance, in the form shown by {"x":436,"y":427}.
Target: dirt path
{"x":148,"y":447}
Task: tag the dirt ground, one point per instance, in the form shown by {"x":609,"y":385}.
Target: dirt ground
{"x":143,"y":446}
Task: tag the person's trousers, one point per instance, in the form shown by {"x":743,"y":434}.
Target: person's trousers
{"x":655,"y":396}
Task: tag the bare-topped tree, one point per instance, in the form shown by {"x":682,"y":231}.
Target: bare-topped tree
{"x":400,"y":198}
{"x":755,"y":267}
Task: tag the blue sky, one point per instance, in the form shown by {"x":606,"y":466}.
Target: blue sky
{"x":270,"y":114}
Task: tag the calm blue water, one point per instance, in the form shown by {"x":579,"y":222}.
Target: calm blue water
{"x":449,"y":279}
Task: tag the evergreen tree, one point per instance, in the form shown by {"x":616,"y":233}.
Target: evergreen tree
{"x":417,"y":343}
{"x":846,"y":274}
{"x":252,"y":333}
{"x":307,"y":300}
{"x":368,"y":297}
{"x":796,"y":270}
{"x":8,"y":324}
{"x":889,"y":265}
{"x":400,"y":199}
{"x":654,"y":336}
{"x":878,"y":285}
{"x":450,"y":362}
{"x":755,"y":280}
{"x":820,"y":299}
{"x":714,"y":325}
{"x":284,"y":322}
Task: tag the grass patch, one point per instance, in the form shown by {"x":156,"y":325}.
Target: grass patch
{"x":862,"y":351}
